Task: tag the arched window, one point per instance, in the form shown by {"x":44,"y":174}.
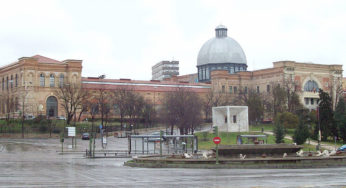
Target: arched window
{"x":42,"y":80}
{"x":311,"y":86}
{"x":52,"y":80}
{"x":61,"y":80}
{"x":52,"y":106}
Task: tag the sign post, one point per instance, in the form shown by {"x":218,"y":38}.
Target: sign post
{"x":71,"y":131}
{"x":217,"y":141}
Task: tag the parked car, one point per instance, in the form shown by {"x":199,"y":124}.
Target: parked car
{"x":85,"y":136}
{"x":342,"y":148}
{"x":60,"y":118}
{"x":29,"y":117}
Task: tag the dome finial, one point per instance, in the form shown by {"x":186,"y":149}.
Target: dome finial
{"x":221,"y":31}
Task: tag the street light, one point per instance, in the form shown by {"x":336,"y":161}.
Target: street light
{"x":23,"y":103}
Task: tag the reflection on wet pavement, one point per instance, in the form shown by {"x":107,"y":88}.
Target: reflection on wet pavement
{"x":36,"y":163}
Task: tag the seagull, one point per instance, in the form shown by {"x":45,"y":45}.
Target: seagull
{"x":187,"y":156}
{"x":333,"y":152}
{"x":284,"y":155}
{"x":241,"y":156}
{"x":300,"y":153}
{"x":325,"y":153}
{"x":205,"y":155}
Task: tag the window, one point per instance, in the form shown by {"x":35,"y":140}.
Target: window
{"x":311,"y":86}
{"x":7,"y":82}
{"x":16,"y":80}
{"x":312,"y":101}
{"x":268,"y":88}
{"x":306,"y":101}
{"x":230,"y":89}
{"x":42,"y":80}
{"x":11,"y":81}
{"x":51,"y":80}
{"x":245,"y":90}
{"x":3,"y":84}
{"x":207,"y":73}
{"x":235,"y":89}
{"x":223,"y":89}
{"x":258,"y":90}
{"x":234,"y":119}
{"x":231,"y":70}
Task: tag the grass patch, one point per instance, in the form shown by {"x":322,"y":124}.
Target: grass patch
{"x":205,"y":140}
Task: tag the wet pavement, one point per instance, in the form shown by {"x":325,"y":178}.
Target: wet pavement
{"x":36,"y":163}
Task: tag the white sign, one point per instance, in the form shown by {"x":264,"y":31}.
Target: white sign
{"x":71,"y":131}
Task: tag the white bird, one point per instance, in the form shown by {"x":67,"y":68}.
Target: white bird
{"x":300,"y":153}
{"x":333,"y":152}
{"x":325,"y":153}
{"x":318,"y":153}
{"x":187,"y":156}
{"x":205,"y":155}
{"x":284,"y":155}
{"x":241,"y":156}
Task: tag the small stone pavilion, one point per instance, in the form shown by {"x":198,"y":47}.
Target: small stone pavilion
{"x":231,"y":118}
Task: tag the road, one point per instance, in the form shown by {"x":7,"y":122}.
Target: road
{"x":35,"y":163}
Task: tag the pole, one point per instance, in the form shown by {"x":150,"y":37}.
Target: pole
{"x":161,"y":134}
{"x":217,"y":145}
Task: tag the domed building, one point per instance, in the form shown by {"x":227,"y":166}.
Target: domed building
{"x":220,"y":53}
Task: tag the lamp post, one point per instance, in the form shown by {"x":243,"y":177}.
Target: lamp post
{"x":23,"y":106}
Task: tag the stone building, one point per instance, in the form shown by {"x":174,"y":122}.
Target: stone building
{"x":304,"y":78}
{"x":32,"y":81}
{"x":222,"y":61}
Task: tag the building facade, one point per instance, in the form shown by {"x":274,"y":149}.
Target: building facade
{"x":165,"y":69}
{"x":29,"y":85}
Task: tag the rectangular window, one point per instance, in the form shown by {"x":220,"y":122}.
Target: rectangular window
{"x":312,"y":101}
{"x":306,"y":101}
{"x":235,"y":89}
{"x":234,"y":119}
{"x":223,"y":89}
{"x":230,"y":89}
{"x":258,"y":90}
{"x":268,"y":88}
{"x":245,"y":90}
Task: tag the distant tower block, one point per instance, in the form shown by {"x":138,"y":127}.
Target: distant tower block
{"x":231,"y":118}
{"x":165,"y":69}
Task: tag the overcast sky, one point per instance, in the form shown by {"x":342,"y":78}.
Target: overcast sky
{"x":124,"y":38}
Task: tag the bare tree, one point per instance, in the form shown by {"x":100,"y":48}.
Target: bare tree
{"x":119,"y":101}
{"x":212,"y":99}
{"x":182,"y":108}
{"x":71,"y":97}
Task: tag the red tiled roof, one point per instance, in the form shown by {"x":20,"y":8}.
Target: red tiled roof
{"x":42,"y":59}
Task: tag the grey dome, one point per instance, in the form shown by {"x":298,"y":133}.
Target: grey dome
{"x":221,"y":49}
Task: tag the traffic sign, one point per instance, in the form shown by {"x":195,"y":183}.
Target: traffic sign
{"x":71,"y":131}
{"x":217,"y":140}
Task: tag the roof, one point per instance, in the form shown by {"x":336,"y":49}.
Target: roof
{"x":221,"y":49}
{"x":42,"y":59}
{"x":140,"y":85}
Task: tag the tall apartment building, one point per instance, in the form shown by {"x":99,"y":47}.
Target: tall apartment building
{"x":165,"y":69}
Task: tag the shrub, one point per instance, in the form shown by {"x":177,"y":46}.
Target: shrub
{"x":43,"y":128}
{"x":279,"y":132}
{"x":288,"y":120}
{"x":301,"y":134}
